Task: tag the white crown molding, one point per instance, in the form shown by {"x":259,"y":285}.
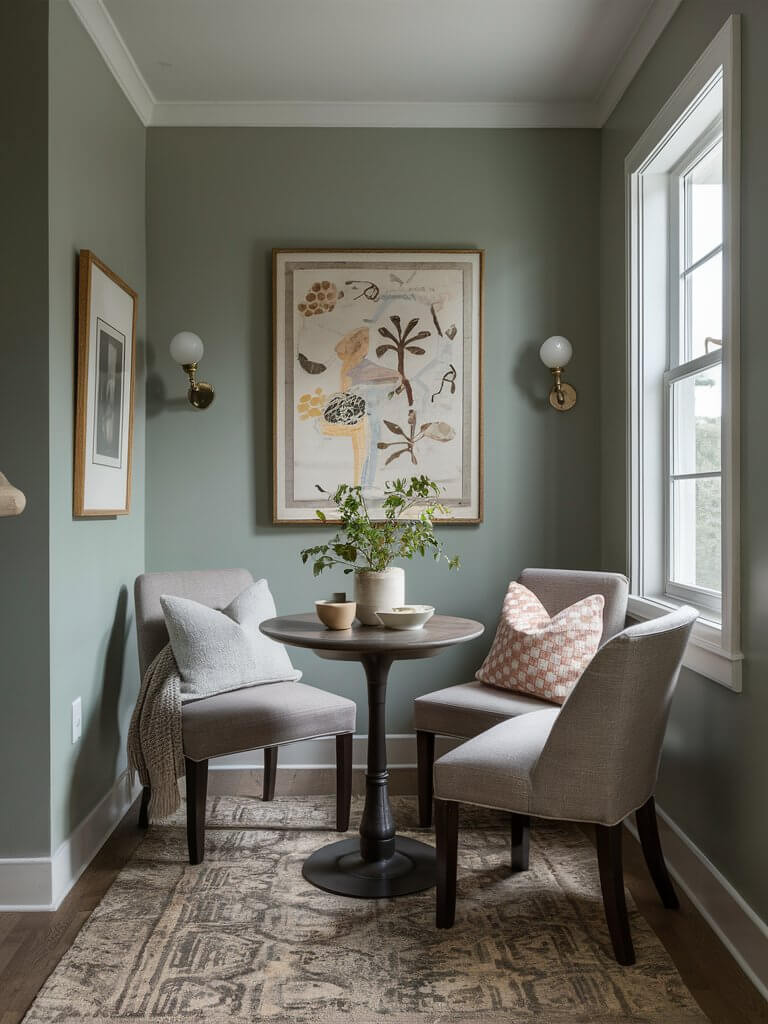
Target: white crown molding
{"x":640,"y":45}
{"x":101,"y":28}
{"x":352,"y":114}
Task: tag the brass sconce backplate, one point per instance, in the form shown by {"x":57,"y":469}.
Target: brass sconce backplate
{"x":200,"y":394}
{"x":564,"y":400}
{"x":562,"y":397}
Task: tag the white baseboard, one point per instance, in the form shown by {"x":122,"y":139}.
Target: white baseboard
{"x":26,"y":884}
{"x":41,"y":883}
{"x":321,"y":753}
{"x":742,"y":932}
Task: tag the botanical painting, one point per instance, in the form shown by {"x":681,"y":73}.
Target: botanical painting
{"x":377,"y":376}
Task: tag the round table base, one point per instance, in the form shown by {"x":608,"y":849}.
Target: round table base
{"x":340,"y":869}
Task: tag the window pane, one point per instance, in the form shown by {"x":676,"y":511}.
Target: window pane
{"x":696,"y":415}
{"x":703,"y":290}
{"x":696,"y":533}
{"x":704,"y":186}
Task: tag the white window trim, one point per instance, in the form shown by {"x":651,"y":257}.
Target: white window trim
{"x":715,"y":647}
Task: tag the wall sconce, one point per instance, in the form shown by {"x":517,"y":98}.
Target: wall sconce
{"x":187,"y":350}
{"x":556,"y":353}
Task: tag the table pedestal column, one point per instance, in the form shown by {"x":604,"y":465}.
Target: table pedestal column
{"x":380,"y":864}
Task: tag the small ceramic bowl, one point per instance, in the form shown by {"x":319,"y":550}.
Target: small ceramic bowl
{"x":336,"y":614}
{"x":407,"y":616}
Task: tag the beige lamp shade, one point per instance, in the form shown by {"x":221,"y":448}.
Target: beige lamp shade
{"x":12,"y":500}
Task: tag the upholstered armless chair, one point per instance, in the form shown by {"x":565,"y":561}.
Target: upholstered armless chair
{"x":596,"y":760}
{"x":467,"y":709}
{"x":252,"y":718}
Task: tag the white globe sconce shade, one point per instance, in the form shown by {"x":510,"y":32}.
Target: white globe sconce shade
{"x":556,"y":353}
{"x":187,"y":350}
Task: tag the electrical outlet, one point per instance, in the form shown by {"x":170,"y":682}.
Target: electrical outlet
{"x":77,"y":719}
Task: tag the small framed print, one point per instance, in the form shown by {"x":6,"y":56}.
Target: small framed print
{"x":106,"y":369}
{"x":377,"y":375}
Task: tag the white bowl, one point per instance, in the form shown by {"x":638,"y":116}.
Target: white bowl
{"x":407,"y":616}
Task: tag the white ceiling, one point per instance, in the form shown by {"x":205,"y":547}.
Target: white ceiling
{"x":374,"y":61}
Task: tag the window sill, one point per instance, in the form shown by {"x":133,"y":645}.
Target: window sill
{"x":705,"y":653}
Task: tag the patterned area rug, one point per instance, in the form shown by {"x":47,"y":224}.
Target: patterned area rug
{"x":243,"y":937}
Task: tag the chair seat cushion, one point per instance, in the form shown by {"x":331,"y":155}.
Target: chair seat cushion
{"x":262,"y":716}
{"x":495,"y":769}
{"x":470,"y":708}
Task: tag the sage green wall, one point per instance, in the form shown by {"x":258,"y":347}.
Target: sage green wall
{"x":24,"y":808}
{"x":220,"y":199}
{"x":714,"y":780}
{"x":97,"y":201}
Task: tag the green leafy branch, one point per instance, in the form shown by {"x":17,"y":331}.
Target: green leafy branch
{"x":410,"y":508}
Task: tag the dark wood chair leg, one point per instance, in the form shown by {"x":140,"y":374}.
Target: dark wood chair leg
{"x":521,"y":835}
{"x":343,"y":780}
{"x":144,"y":807}
{"x":648,"y":831}
{"x":609,"y":859}
{"x":270,"y":773}
{"x":447,"y":839}
{"x":425,"y":759}
{"x":197,"y":787}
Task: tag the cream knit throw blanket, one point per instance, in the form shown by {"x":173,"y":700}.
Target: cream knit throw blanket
{"x":155,"y":750}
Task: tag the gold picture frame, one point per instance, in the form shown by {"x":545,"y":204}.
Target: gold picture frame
{"x":353,"y":394}
{"x":106,"y":372}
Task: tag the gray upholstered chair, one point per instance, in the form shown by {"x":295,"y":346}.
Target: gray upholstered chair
{"x":596,"y":760}
{"x":248,"y":719}
{"x":467,"y":709}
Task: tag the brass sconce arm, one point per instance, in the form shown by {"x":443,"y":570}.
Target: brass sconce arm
{"x":200,"y":394}
{"x":562,"y":396}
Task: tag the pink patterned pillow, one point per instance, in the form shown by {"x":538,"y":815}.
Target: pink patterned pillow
{"x":538,"y":655}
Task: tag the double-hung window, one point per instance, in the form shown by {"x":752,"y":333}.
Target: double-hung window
{"x":683,"y":207}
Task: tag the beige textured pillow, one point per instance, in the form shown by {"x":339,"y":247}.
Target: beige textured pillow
{"x":538,"y":655}
{"x":217,"y":651}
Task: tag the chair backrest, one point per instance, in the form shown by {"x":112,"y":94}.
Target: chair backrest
{"x":213,"y":587}
{"x":601,"y":758}
{"x":559,"y":588}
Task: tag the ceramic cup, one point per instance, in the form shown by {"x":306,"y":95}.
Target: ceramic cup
{"x":336,"y":614}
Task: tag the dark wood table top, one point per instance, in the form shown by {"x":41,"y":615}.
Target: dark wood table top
{"x":306,"y":630}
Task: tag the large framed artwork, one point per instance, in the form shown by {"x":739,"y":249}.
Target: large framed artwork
{"x":106,"y":359}
{"x":377,"y":375}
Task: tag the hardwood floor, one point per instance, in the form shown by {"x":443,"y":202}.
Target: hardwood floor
{"x":31,"y":944}
{"x":717,"y":982}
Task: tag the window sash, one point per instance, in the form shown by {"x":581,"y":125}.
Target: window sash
{"x":701,"y":597}
{"x":679,"y":368}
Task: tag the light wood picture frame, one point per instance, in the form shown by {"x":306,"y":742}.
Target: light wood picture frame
{"x":377,"y":368}
{"x":106,"y":371}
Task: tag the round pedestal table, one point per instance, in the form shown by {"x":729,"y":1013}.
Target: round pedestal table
{"x":380,"y":863}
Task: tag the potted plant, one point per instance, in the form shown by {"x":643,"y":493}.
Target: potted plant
{"x":368,"y":548}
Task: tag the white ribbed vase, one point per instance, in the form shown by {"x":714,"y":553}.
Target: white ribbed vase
{"x":378,"y":592}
